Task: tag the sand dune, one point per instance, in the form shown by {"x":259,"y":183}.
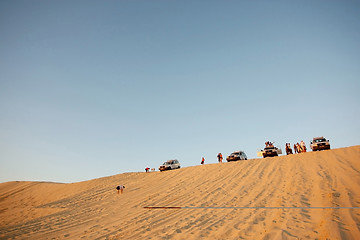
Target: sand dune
{"x":214,"y":198}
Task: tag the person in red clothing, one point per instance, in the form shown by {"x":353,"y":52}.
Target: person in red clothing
{"x":220,"y":157}
{"x":203,"y":160}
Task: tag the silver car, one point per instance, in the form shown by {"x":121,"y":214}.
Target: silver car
{"x":169,"y":165}
{"x":235,"y":156}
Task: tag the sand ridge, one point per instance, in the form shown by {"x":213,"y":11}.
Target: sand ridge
{"x":93,"y":210}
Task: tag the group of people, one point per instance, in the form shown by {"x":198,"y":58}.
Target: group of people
{"x":298,"y":148}
{"x":269,"y":144}
{"x":219,"y":157}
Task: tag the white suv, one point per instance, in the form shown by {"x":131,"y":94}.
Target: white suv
{"x":319,"y":143}
{"x":170,"y":164}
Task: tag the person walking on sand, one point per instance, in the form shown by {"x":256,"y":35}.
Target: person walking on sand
{"x":295,"y":149}
{"x":202,"y":161}
{"x":220,"y":157}
{"x":120,"y":189}
{"x":303,"y":146}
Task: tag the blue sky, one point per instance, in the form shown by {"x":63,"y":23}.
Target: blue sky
{"x":96,"y":88}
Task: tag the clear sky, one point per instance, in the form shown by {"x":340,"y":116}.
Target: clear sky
{"x":95,"y":88}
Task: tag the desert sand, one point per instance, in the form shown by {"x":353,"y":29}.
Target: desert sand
{"x":314,"y":195}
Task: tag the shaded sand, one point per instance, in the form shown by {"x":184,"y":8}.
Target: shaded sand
{"x":93,"y":209}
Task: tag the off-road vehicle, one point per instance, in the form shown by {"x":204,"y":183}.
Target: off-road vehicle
{"x":319,"y":143}
{"x":235,"y":156}
{"x":269,"y":151}
{"x":169,"y":165}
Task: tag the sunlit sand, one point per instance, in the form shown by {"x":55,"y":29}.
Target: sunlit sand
{"x":313,"y":195}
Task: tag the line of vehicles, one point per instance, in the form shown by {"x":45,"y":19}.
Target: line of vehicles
{"x":317,"y":144}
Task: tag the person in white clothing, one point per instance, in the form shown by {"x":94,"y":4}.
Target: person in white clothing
{"x":303,"y":146}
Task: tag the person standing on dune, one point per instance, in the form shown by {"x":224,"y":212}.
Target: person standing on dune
{"x":202,"y":161}
{"x":120,"y":189}
{"x":295,"y":148}
{"x":220,"y":157}
{"x":288,"y":149}
{"x":303,"y":146}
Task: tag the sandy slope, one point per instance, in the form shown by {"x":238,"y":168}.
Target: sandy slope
{"x":92,"y":209}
